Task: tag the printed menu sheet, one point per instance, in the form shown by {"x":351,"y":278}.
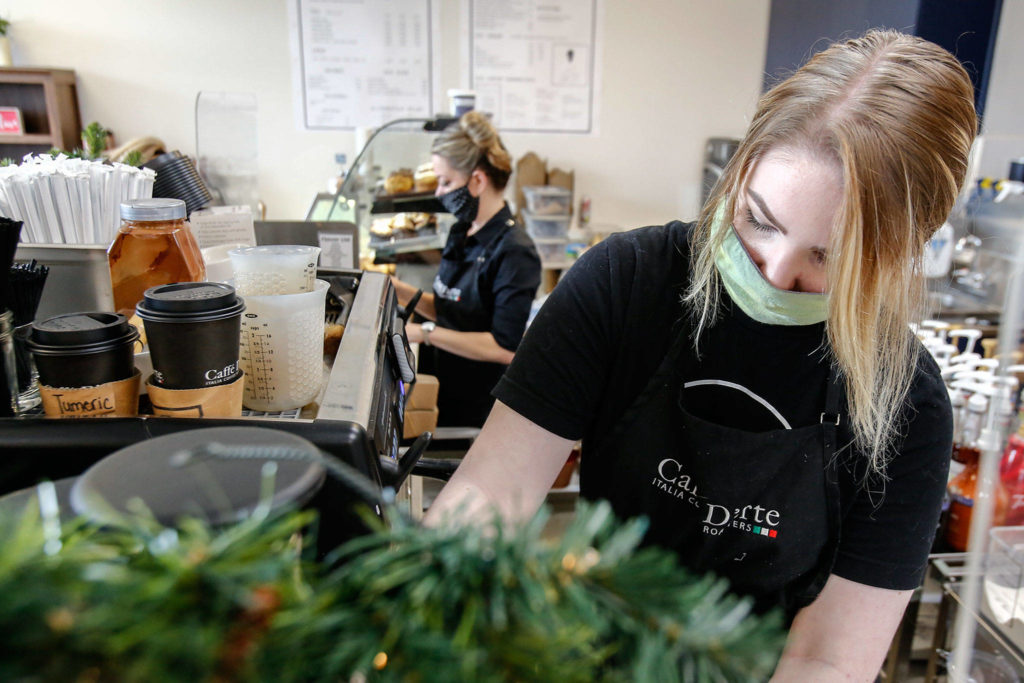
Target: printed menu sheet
{"x":534,"y":63}
{"x":361,"y":62}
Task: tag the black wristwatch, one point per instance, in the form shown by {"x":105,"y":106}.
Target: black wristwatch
{"x":427,"y":327}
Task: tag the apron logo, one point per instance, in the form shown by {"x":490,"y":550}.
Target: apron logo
{"x":753,"y":519}
{"x":446,"y":292}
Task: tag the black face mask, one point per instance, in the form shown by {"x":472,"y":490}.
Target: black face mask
{"x":461,"y":204}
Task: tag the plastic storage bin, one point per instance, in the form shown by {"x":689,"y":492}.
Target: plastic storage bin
{"x":552,"y":250}
{"x":547,"y":227}
{"x":548,"y":200}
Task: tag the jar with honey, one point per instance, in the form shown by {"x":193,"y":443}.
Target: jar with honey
{"x":154,"y":246}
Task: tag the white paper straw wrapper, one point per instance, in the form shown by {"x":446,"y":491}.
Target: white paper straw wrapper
{"x":63,"y":200}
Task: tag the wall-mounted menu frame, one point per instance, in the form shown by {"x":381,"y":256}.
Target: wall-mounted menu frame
{"x":362,"y":64}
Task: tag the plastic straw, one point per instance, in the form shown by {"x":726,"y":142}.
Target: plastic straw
{"x":48,"y":207}
{"x":63,"y":200}
{"x":61,"y":193}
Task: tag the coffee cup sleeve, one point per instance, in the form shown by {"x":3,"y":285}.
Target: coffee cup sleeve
{"x":112,"y":399}
{"x":224,"y":400}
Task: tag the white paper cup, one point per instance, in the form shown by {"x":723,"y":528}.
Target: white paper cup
{"x":281,"y":349}
{"x":274,"y":269}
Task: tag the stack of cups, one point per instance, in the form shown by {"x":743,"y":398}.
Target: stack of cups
{"x":86,"y":364}
{"x":282,"y":331}
{"x":192,"y":329}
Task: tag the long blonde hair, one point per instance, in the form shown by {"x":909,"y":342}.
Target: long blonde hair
{"x":896,"y":115}
{"x":474,"y":143}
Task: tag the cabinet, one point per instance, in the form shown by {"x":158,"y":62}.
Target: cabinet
{"x":48,"y":101}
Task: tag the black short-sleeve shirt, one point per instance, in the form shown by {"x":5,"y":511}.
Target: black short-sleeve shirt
{"x":606,"y":327}
{"x":486,"y":283}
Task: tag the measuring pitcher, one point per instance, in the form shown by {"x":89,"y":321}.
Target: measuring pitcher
{"x":281,"y":349}
{"x":274,"y":269}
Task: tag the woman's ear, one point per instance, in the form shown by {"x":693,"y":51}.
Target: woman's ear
{"x":478,"y":182}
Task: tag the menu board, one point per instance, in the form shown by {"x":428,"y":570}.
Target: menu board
{"x":534,"y":63}
{"x":361,"y":62}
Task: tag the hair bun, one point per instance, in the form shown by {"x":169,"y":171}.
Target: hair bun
{"x":479,"y":129}
{"x":482,"y":133}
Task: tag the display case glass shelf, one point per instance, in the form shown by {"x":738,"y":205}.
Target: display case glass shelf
{"x":397,"y":145}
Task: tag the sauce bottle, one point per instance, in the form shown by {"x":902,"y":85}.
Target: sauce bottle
{"x":154,"y":246}
{"x":1011,"y":473}
{"x":963,"y":487}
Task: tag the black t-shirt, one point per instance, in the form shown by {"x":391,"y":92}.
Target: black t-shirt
{"x":486,"y":283}
{"x":605,"y":329}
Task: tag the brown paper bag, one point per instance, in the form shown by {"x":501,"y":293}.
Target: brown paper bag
{"x":220,"y":401}
{"x":113,"y":399}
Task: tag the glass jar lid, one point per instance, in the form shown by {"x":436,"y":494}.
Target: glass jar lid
{"x":157,"y":209}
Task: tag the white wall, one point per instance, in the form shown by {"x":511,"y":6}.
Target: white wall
{"x":1002,"y":126}
{"x":675,"y":73}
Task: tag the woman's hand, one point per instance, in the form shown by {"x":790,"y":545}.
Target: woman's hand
{"x":405,"y":292}
{"x":507,"y":471}
{"x":414,"y":333}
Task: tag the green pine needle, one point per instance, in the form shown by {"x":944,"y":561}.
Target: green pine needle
{"x":405,"y":603}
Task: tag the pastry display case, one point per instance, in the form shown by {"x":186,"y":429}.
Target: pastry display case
{"x":389,"y":190}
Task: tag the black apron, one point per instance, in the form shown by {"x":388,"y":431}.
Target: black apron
{"x":759,"y":508}
{"x":464,"y":396}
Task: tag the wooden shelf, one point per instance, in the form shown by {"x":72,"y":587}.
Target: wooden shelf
{"x":27,"y":139}
{"x":48,"y":101}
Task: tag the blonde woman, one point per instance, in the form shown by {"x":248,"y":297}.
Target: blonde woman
{"x":488,"y":276}
{"x":749,"y":382}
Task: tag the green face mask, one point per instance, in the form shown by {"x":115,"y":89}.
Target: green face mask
{"x":757,"y":297}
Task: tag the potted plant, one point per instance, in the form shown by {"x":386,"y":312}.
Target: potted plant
{"x":5,"y":43}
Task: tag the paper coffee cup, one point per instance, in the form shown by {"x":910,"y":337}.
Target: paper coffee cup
{"x":83,"y":349}
{"x":192,"y":330}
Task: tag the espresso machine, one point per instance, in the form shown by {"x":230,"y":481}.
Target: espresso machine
{"x":358,"y":417}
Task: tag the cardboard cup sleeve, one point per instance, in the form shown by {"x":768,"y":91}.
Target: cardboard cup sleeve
{"x":224,"y":400}
{"x":113,"y":399}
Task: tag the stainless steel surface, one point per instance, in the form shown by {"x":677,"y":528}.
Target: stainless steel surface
{"x":985,"y":256}
{"x":79,"y":278}
{"x":949,"y":302}
{"x":350,"y":389}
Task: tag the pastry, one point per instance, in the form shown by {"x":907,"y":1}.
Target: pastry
{"x":403,"y":221}
{"x":424,"y":178}
{"x":398,"y":182}
{"x":381,"y":227}
{"x":421,"y":220}
{"x":332,"y":338}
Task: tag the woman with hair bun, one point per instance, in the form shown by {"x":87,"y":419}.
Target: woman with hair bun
{"x":489,"y":274}
{"x":749,"y":382}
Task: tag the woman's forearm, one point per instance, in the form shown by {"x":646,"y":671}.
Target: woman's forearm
{"x":472,"y":345}
{"x":405,"y":292}
{"x":507,"y":472}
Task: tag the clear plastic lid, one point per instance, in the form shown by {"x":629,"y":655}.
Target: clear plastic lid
{"x":160,"y":209}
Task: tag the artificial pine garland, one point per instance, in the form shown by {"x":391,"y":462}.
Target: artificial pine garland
{"x":404,"y":603}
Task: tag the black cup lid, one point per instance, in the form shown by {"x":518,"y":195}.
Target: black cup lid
{"x":79,"y":329}
{"x":190,"y":300}
{"x":148,"y":470}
